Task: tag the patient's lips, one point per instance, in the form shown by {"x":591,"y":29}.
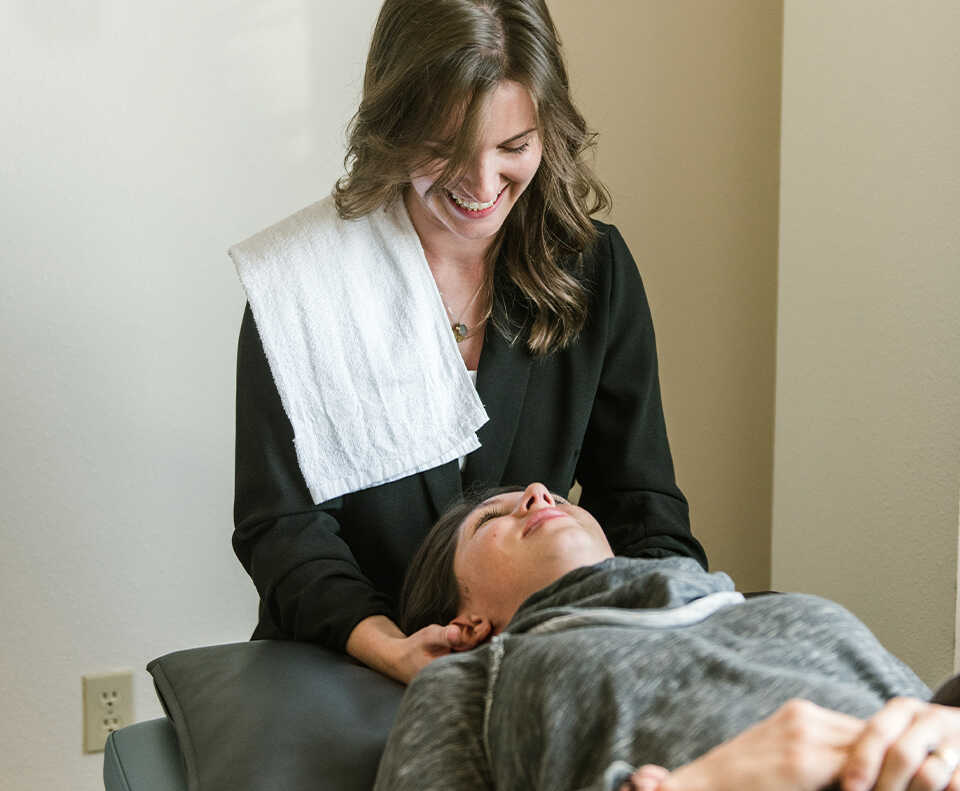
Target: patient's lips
{"x":538,"y":517}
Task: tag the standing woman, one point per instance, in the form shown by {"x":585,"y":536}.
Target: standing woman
{"x":450,"y":317}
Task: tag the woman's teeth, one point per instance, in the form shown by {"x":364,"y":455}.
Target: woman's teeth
{"x":472,"y":205}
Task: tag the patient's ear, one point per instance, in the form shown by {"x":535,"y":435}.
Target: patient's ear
{"x":474,"y":629}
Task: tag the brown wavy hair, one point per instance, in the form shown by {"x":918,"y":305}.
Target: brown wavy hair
{"x":431,"y":61}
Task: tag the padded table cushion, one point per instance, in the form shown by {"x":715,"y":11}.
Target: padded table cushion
{"x":143,"y":757}
{"x":275,"y":715}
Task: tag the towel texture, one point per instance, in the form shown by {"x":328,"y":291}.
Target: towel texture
{"x":360,"y":348}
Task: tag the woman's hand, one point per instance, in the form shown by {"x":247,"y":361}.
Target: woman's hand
{"x":378,"y":643}
{"x":647,"y":778}
{"x":419,"y":649}
{"x":800,"y":747}
{"x":909,"y":745}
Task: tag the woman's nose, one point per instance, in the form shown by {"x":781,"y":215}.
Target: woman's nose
{"x":482,"y":181}
{"x":536,"y":495}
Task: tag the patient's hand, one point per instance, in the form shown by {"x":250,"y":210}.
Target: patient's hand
{"x":908,"y":744}
{"x":800,"y":747}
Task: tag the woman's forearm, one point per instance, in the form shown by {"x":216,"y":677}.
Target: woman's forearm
{"x":378,"y":643}
{"x":373,"y":641}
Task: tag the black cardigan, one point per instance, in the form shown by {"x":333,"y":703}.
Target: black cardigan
{"x":591,"y":412}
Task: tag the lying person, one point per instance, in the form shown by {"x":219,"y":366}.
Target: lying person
{"x":587,"y":666}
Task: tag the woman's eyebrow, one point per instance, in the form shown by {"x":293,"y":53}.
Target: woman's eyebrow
{"x":518,"y":135}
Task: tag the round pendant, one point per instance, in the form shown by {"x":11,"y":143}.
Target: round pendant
{"x":460,"y":331}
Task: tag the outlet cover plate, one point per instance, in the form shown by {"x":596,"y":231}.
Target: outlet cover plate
{"x":107,"y":706}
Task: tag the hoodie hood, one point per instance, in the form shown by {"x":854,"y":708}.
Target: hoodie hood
{"x":624,"y":583}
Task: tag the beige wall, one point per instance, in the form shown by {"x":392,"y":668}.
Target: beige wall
{"x":868,"y":383}
{"x":686,"y":97}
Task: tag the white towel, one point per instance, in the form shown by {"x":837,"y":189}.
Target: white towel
{"x":360,"y":347}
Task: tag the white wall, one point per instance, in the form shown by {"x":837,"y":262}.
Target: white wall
{"x":139,"y":140}
{"x":867,"y":449}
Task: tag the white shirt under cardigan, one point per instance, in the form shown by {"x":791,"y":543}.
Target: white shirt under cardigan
{"x":360,"y":347}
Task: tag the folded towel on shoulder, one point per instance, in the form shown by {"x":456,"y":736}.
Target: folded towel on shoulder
{"x":359,"y":346}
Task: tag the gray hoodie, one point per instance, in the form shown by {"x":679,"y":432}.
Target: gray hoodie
{"x":627,"y":662}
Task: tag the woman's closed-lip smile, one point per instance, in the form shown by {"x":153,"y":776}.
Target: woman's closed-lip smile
{"x":534,"y":520}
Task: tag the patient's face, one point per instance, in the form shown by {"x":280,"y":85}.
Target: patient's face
{"x":514,"y":544}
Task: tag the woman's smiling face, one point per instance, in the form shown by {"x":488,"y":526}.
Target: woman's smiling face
{"x":517,"y":543}
{"x":499,"y":171}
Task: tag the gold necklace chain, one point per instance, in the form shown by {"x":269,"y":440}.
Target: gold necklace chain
{"x":460,"y":330}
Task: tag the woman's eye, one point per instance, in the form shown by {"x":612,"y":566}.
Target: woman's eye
{"x":518,"y":149}
{"x":486,"y":517}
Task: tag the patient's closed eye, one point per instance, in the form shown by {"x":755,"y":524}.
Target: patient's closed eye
{"x":487,"y":516}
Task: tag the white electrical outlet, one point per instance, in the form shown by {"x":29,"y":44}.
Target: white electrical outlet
{"x":107,"y":706}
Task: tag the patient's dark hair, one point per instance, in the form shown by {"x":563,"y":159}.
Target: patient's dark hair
{"x":431,"y":593}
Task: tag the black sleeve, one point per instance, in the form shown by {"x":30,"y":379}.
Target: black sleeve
{"x":309,"y":583}
{"x":625,"y":467}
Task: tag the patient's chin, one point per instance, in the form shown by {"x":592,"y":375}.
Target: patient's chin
{"x":572,"y":546}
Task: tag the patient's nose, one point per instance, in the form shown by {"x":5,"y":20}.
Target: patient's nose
{"x":536,"y":495}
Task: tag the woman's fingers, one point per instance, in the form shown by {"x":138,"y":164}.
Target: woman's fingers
{"x":836,"y":728}
{"x":452,"y":636}
{"x":437,"y":639}
{"x":648,"y":777}
{"x":908,"y":753}
{"x":909,"y":745}
{"x":938,"y":772}
{"x":867,"y":757}
{"x":800,"y":747}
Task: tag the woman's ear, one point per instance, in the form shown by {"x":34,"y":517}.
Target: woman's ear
{"x":473,"y":629}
